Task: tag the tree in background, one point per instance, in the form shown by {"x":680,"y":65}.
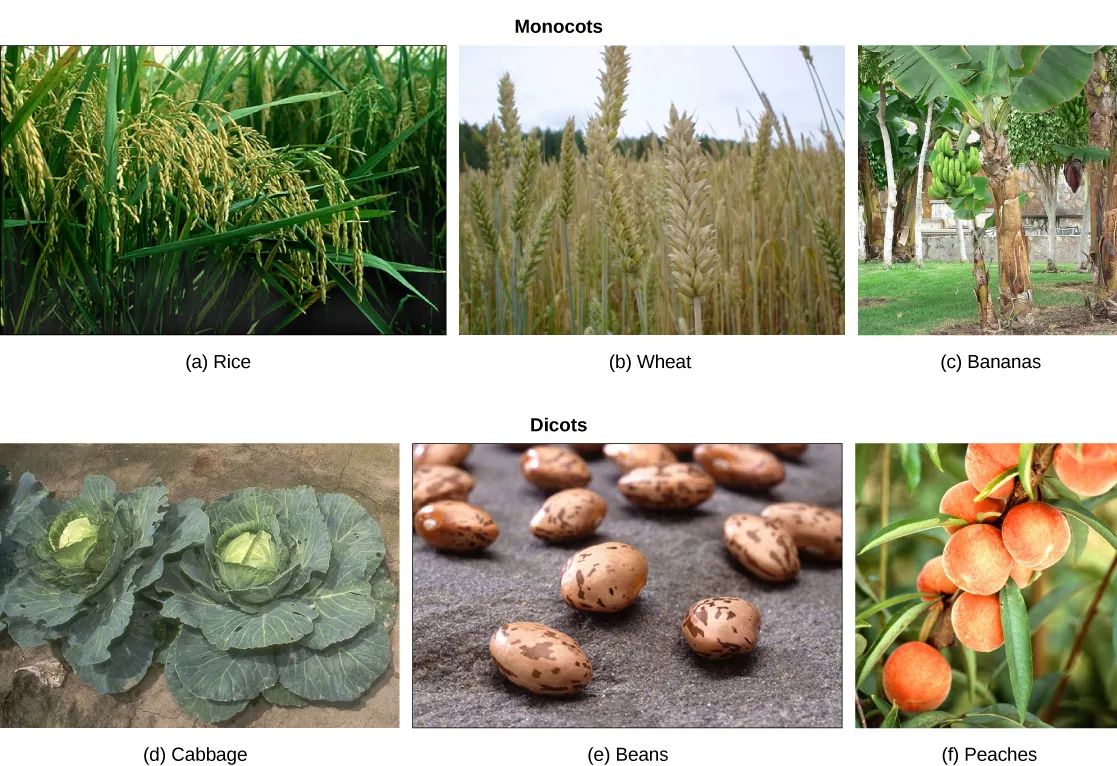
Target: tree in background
{"x":1033,"y":139}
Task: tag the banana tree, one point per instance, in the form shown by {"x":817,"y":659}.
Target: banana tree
{"x":1101,"y":105}
{"x":902,"y":148}
{"x":988,"y":82}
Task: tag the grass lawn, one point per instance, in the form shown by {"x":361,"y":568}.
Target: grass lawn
{"x":939,"y":298}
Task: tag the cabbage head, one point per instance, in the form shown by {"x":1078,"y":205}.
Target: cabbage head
{"x":287,"y":598}
{"x":81,"y":569}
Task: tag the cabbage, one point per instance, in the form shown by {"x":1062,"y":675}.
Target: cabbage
{"x":286,"y":598}
{"x":77,"y":572}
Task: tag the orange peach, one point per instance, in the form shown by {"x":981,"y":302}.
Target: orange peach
{"x":1020,"y":574}
{"x":916,"y":677}
{"x":985,"y":462}
{"x":976,"y":560}
{"x":977,"y":622}
{"x":1088,"y":470}
{"x":1036,"y":535}
{"x":959,"y":501}
{"x":932,"y":579}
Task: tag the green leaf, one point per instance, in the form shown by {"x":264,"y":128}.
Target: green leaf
{"x":892,"y":630}
{"x":237,"y":114}
{"x":861,"y":643}
{"x":1001,"y":478}
{"x":933,"y":453}
{"x":1024,"y":469}
{"x":212,"y":674}
{"x":277,"y":695}
{"x":341,"y":673}
{"x":910,"y":526}
{"x":246,"y":232}
{"x":280,"y":622}
{"x":913,"y":467}
{"x":970,"y":657}
{"x":1080,"y":535}
{"x":201,"y":708}
{"x":1018,"y":645}
{"x":932,"y":719}
{"x":363,"y":305}
{"x":386,"y":596}
{"x":887,"y":604}
{"x":889,"y":721}
{"x":1001,"y":715}
{"x":129,"y":658}
{"x":345,"y":258}
{"x":1093,"y":522}
{"x":1058,"y":76}
{"x":35,"y":97}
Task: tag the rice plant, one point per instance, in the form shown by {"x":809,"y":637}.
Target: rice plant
{"x":669,"y":233}
{"x":223,"y":189}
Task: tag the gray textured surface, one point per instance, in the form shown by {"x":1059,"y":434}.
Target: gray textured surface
{"x":644,"y":673}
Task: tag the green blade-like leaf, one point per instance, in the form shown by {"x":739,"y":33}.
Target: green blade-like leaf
{"x":1024,"y":469}
{"x":932,"y":719}
{"x":1086,"y":517}
{"x":36,"y":96}
{"x":237,"y":114}
{"x":910,"y":526}
{"x":933,"y":453}
{"x":245,"y":232}
{"x":913,"y":467}
{"x":1018,"y":645}
{"x":888,"y":603}
{"x":1001,"y":478}
{"x":889,"y":721}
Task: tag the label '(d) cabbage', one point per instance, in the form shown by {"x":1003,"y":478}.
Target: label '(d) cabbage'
{"x":287,"y":597}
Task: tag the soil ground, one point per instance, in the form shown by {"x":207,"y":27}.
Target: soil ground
{"x":644,"y":674}
{"x":368,"y":473}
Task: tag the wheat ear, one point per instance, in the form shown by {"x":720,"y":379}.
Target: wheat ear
{"x":691,"y":240}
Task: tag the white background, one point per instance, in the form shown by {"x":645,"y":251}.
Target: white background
{"x":351,"y":389}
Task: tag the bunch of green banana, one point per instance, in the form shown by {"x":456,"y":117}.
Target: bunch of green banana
{"x":1075,"y":114}
{"x":953,"y":170}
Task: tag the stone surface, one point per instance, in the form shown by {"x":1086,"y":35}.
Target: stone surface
{"x":644,"y":672}
{"x":368,"y":472}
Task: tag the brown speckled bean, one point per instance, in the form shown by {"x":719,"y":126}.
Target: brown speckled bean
{"x":740,"y":466}
{"x":569,"y":515}
{"x":789,"y":451}
{"x":540,"y":659}
{"x":762,"y":547}
{"x":667,"y":487}
{"x":439,"y":454}
{"x":430,"y":483}
{"x":554,"y":468}
{"x":603,"y":578}
{"x":720,"y":628}
{"x":450,"y":525}
{"x":815,"y":530}
{"x":629,"y":456}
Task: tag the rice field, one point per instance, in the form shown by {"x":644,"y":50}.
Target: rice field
{"x":223,"y":190}
{"x":669,"y":233}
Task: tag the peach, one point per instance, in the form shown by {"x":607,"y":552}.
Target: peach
{"x":1088,"y":470}
{"x":977,"y":622}
{"x":976,"y":560}
{"x":1036,"y":535}
{"x":959,"y":501}
{"x":932,"y":579}
{"x":1020,"y":574}
{"x":985,"y":462}
{"x":916,"y":677}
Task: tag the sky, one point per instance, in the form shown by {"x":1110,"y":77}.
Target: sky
{"x":553,"y":84}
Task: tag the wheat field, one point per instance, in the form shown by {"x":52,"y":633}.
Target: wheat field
{"x":668,"y":234}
